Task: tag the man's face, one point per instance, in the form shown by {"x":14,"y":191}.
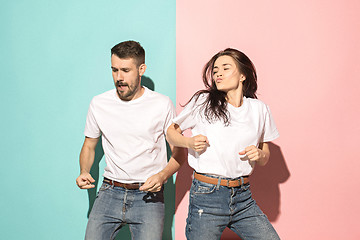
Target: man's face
{"x":127,"y":77}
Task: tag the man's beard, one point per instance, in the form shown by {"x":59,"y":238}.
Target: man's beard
{"x":129,"y":92}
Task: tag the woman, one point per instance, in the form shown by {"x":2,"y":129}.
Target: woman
{"x":231,"y":130}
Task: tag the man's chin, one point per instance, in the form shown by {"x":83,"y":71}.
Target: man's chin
{"x":123,"y":96}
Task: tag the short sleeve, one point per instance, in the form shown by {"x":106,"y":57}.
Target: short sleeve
{"x":92,"y":129}
{"x":270,"y":132}
{"x":187,"y":119}
{"x":170,"y":115}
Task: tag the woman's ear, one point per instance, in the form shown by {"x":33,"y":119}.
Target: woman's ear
{"x":242,"y":78}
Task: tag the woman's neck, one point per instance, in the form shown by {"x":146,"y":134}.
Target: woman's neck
{"x":235,"y":97}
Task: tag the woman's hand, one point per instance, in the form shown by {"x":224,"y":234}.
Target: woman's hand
{"x":257,"y":155}
{"x":198,"y":143}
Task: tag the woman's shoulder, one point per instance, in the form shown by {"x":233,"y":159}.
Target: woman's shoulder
{"x":199,"y":98}
{"x":256,"y":103}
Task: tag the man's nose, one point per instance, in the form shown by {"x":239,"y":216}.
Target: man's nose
{"x":119,"y":76}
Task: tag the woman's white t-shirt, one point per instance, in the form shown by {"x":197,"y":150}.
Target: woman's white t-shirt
{"x":250,"y":124}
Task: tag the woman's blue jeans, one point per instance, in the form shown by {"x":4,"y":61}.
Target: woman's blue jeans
{"x":116,"y":206}
{"x":212,"y":208}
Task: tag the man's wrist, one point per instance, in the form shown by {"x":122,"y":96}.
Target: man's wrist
{"x":163,"y":175}
{"x":83,"y":171}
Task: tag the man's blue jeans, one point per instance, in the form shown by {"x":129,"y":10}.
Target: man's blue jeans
{"x":116,"y":206}
{"x":212,"y":208}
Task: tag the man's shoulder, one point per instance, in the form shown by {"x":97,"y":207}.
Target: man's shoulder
{"x":158,"y":96}
{"x":108,"y":95}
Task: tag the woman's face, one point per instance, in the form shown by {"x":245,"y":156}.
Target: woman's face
{"x":226,"y":75}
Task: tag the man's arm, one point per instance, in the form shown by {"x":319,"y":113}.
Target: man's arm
{"x":87,"y":154}
{"x":155,"y":182}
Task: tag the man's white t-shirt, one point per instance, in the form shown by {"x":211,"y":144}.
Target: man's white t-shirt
{"x":250,"y":124}
{"x":133,"y":133}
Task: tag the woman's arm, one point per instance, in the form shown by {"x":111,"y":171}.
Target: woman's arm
{"x":174,"y":136}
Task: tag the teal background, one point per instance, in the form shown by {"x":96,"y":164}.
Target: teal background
{"x":55,"y":56}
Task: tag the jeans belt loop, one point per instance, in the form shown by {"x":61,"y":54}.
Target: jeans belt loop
{"x":218,"y":184}
{"x":240,"y":180}
{"x":227,"y":183}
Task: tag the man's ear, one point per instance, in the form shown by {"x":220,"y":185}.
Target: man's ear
{"x":142,"y":69}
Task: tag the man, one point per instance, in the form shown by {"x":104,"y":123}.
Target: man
{"x":132,"y":121}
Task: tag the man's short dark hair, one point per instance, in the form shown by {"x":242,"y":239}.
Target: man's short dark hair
{"x":129,"y":49}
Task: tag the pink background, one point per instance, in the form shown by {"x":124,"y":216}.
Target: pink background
{"x":307,"y":56}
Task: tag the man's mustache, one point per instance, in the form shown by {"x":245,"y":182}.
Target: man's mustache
{"x":120,"y":83}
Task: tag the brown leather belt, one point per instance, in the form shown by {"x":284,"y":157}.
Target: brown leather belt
{"x":224,"y":182}
{"x":130,"y":186}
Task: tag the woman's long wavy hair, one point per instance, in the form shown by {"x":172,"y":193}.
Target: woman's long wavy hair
{"x":215,"y":106}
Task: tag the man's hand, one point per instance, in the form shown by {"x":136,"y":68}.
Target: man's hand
{"x":84,"y":181}
{"x":153,"y":183}
{"x":198,"y":143}
{"x":253,"y":153}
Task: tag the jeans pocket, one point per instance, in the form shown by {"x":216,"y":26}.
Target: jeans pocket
{"x":104,"y":187}
{"x":199,"y":187}
{"x":245,"y":187}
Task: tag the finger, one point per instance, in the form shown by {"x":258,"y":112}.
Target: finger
{"x":199,"y":149}
{"x":87,"y":186}
{"x":249,"y":148}
{"x":151,"y":188}
{"x":85,"y":180}
{"x":81,"y":182}
{"x":242,"y":152}
{"x":146,"y":186}
{"x":252,"y":152}
{"x":202,"y":138}
{"x":91,"y":179}
{"x":253,"y":157}
{"x":200,"y":145}
{"x":155,"y":189}
{"x":206,"y":141}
